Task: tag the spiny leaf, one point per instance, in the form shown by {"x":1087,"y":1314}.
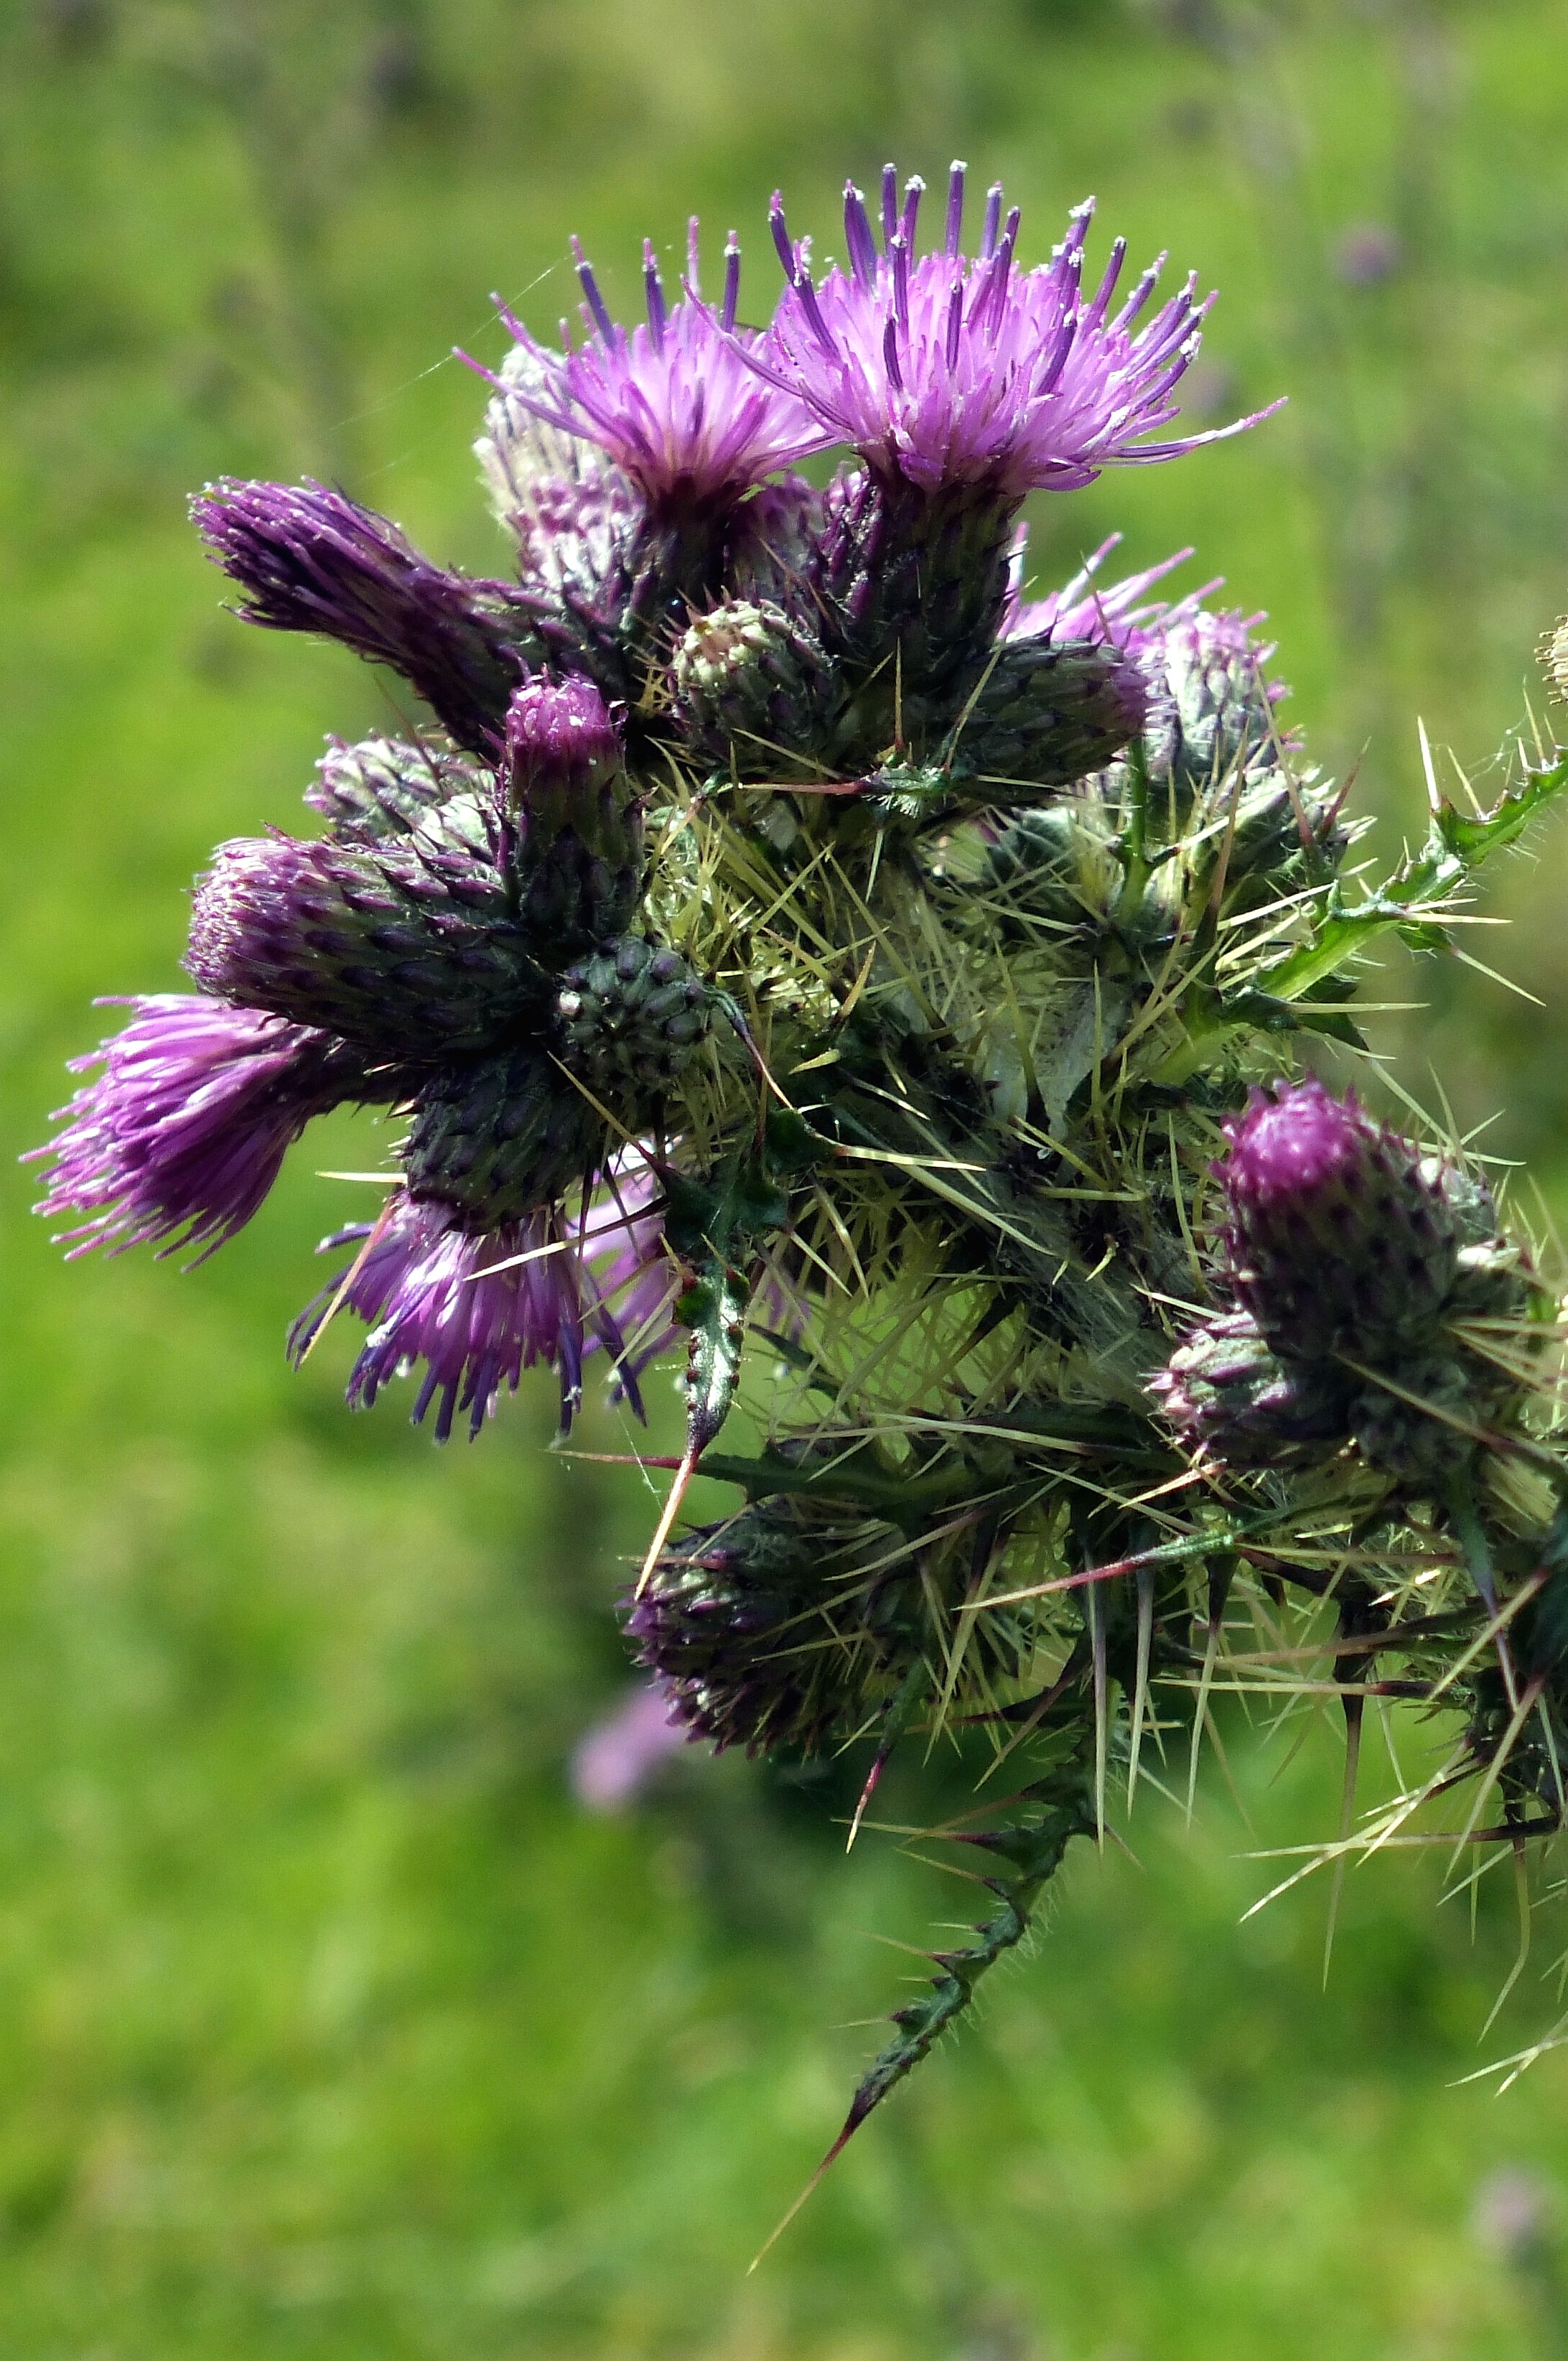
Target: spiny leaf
{"x":1412,"y":901}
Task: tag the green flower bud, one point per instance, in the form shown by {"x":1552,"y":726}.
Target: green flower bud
{"x":633,"y":1015}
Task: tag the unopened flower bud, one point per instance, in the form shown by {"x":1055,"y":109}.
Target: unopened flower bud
{"x":1047,"y":713}
{"x":407,"y":946}
{"x":633,"y":1015}
{"x":384,"y":786}
{"x":1210,"y":707}
{"x":746,"y":1624}
{"x":580,"y":860}
{"x":501,"y":1137}
{"x":1340,"y":1234}
{"x":1057,"y":863}
{"x":1225,"y":1392}
{"x":750,"y":682}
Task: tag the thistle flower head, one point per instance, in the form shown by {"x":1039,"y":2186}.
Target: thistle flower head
{"x":406,"y":945}
{"x":1339,"y":1232}
{"x":1225,"y":1392}
{"x":737,"y":1626}
{"x":672,"y":402}
{"x":476,"y":1307}
{"x":952,"y":371}
{"x":181,"y":1135}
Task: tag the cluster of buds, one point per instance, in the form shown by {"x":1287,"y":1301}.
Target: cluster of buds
{"x":781,"y":923}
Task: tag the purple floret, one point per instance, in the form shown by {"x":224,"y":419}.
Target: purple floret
{"x":948,"y":370}
{"x":183,"y":1134}
{"x":479,"y":1308}
{"x":672,"y":403}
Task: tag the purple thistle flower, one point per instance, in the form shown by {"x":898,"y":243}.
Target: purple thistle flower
{"x":181,"y":1135}
{"x":672,"y":403}
{"x":478,"y":1308}
{"x":307,"y":559}
{"x":951,"y":371}
{"x":407,"y":945}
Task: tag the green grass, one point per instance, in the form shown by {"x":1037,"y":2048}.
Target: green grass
{"x":329,"y":2027}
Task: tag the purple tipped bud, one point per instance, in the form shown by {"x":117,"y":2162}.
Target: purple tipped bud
{"x":1340,"y":1236}
{"x":183,"y":1134}
{"x":561,"y":743}
{"x":408,"y":945}
{"x":739,"y":1624}
{"x":579,"y":865}
{"x":310,"y":560}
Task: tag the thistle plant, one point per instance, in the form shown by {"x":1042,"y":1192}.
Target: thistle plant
{"x":927,"y":1008}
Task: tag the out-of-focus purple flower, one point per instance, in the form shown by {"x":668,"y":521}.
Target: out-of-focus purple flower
{"x":181,"y":1135}
{"x":1116,"y":613}
{"x":478,"y":1308}
{"x":951,"y":371}
{"x":672,"y":402}
{"x":1367,"y":254}
{"x":307,"y":559}
{"x":615,"y":1756}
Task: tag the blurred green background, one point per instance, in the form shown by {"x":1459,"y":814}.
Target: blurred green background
{"x":330,"y":2025}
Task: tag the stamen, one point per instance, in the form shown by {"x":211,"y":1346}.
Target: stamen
{"x":1140,"y":295}
{"x":899,"y":252}
{"x":890,"y":355}
{"x":694,"y":277}
{"x":1107,"y":286}
{"x":993,"y":302}
{"x":784,"y":250}
{"x":889,"y":204}
{"x":858,"y":236}
{"x":913,"y":190}
{"x":993,"y":221}
{"x":955,"y":208}
{"x":658,"y":312}
{"x":602,"y":320}
{"x":731,"y":282}
{"x":955,"y":321}
{"x":1066,"y":336}
{"x":809,"y":305}
{"x":1078,"y":226}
